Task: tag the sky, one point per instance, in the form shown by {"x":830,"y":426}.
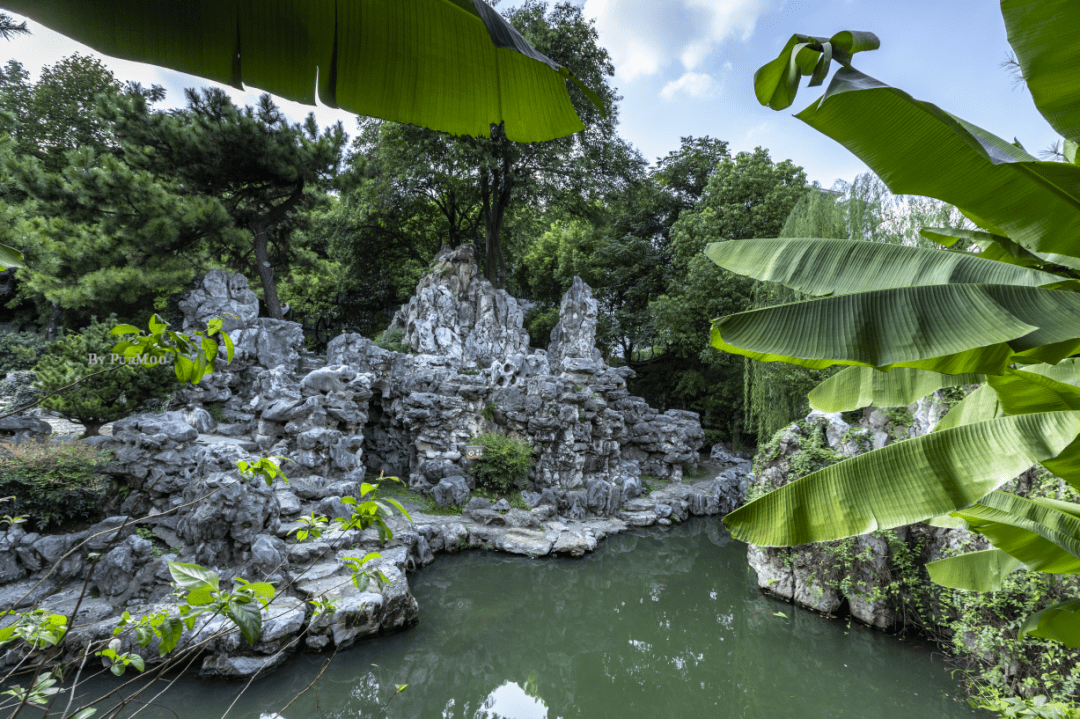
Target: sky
{"x":686,"y":67}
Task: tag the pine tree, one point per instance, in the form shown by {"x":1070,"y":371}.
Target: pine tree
{"x":107,"y":397}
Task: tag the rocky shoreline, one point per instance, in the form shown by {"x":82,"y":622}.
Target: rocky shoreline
{"x":360,"y":412}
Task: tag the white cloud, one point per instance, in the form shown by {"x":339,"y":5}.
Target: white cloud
{"x":694,"y":84}
{"x":644,"y":36}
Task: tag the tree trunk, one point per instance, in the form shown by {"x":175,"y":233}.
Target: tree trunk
{"x":266,"y":273}
{"x":54,"y":322}
{"x":92,"y":429}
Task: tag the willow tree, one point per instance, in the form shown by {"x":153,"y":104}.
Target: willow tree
{"x":906,"y":320}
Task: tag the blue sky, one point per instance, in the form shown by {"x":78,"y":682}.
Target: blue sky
{"x":685,"y":67}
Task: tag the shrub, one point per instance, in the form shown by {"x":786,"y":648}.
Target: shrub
{"x":52,"y":484}
{"x":20,"y":351}
{"x":392,"y":339}
{"x":506,"y":462}
{"x":107,"y":397}
{"x":488,"y":412}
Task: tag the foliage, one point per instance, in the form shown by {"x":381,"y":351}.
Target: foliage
{"x":450,"y":83}
{"x":52,"y":484}
{"x":505,"y":464}
{"x":747,"y":196}
{"x":1022,"y":255}
{"x":488,"y":412}
{"x":192,"y":356}
{"x":266,"y":469}
{"x":112,"y":394}
{"x":393,"y":340}
{"x":310,"y":526}
{"x":20,"y":351}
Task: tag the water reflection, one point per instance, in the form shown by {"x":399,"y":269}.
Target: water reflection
{"x":649,"y":625}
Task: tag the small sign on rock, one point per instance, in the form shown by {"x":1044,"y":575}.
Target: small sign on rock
{"x":474,"y":451}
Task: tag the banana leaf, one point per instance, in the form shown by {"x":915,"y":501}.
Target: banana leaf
{"x":1043,"y":36}
{"x":905,"y":482}
{"x":916,"y":148}
{"x":839,"y":267}
{"x":450,"y":65}
{"x":777,"y":82}
{"x":1022,"y":392}
{"x":1040,"y":536}
{"x":953,"y":329}
{"x":997,"y":248}
{"x":1061,"y":623}
{"x":975,"y":571}
{"x":858,"y":387}
{"x":979,"y":406}
{"x":10,"y":258}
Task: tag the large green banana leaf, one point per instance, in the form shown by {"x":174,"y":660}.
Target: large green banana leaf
{"x":953,"y":329}
{"x":1060,"y":623}
{"x":975,"y":571}
{"x":1040,"y":536}
{"x":776,"y":83}
{"x":450,"y":65}
{"x":905,"y":482}
{"x":10,"y":258}
{"x":979,"y":406}
{"x":839,"y":267}
{"x":1022,"y":392}
{"x":1043,"y":36}
{"x":997,"y":248}
{"x":917,"y":148}
{"x":858,"y":387}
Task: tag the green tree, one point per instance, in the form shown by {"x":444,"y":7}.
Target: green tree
{"x":423,"y":186}
{"x":58,"y":113}
{"x":252,"y":161}
{"x":107,"y":397}
{"x":908,"y":320}
{"x":747,"y":196}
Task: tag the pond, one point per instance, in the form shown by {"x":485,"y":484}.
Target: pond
{"x":653,"y":624}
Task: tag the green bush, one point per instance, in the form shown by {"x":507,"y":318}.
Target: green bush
{"x":506,"y":462}
{"x":52,"y":484}
{"x":20,"y":351}
{"x":392,"y":340}
{"x":106,"y":397}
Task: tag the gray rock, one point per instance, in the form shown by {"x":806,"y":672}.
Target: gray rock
{"x":268,"y":554}
{"x":501,"y":506}
{"x":452,"y":492}
{"x":574,"y":336}
{"x":478,"y":503}
{"x":171,"y":425}
{"x":199,"y":419}
{"x":288,"y":503}
{"x":18,"y":424}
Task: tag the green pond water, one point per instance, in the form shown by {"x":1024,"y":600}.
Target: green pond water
{"x":653,"y":624}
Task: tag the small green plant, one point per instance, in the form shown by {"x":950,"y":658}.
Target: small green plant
{"x":205,"y":596}
{"x":20,"y":351}
{"x":371,"y":511}
{"x":105,"y":397}
{"x":362,"y":577}
{"x":38,"y":628}
{"x":505,"y":464}
{"x":118,"y":663}
{"x":266,"y":468}
{"x":489,"y":411}
{"x":49,"y":485}
{"x":217,"y":412}
{"x":393,"y":340}
{"x":310,"y":526}
{"x":469,"y":372}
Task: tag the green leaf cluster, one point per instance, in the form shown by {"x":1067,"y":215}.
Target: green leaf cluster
{"x":112,"y":394}
{"x":1002,"y":304}
{"x":53,"y":484}
{"x":505,"y":464}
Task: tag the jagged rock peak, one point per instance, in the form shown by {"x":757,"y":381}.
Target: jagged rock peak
{"x":574,"y":337}
{"x":455,"y":312}
{"x":219,"y":295}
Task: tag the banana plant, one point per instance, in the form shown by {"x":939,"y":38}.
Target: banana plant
{"x":905,"y":321}
{"x":455,"y":66}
